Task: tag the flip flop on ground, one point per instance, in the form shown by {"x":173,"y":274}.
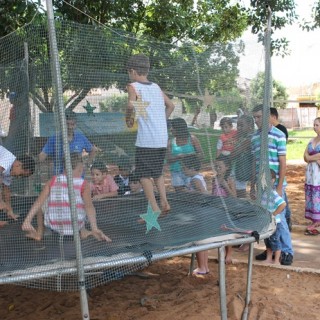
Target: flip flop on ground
{"x":311,"y":232}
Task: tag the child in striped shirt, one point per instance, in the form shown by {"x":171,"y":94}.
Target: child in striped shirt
{"x":57,"y":214}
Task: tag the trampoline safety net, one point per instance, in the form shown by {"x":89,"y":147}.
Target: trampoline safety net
{"x":144,"y":147}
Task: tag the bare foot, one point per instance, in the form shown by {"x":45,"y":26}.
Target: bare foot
{"x":3,"y":223}
{"x":34,"y":235}
{"x":229,"y":260}
{"x":276,"y":263}
{"x":165,"y":208}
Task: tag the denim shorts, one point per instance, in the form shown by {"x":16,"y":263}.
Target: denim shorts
{"x":179,"y":179}
{"x":273,"y":242}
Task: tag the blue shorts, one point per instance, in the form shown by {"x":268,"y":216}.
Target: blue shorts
{"x":179,"y":179}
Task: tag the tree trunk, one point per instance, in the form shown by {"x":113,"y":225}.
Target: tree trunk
{"x":195,"y":118}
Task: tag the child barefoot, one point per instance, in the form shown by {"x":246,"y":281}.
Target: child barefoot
{"x":57,"y":215}
{"x":152,"y":108}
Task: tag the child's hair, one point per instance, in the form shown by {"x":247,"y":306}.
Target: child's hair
{"x":133,"y":178}
{"x":70,"y":115}
{"x":274,"y":112}
{"x":99,"y":165}
{"x":140,"y":63}
{"x":28,"y":163}
{"x":192,"y":161}
{"x":258,"y":108}
{"x":226,"y":120}
{"x":181,"y":128}
{"x":75,"y":159}
{"x":248,"y":119}
{"x":124,"y":163}
{"x":227,"y":162}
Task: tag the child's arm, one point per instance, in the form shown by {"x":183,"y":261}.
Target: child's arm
{"x":169,"y":105}
{"x":279,"y":209}
{"x":7,"y":200}
{"x":197,"y":146}
{"x":91,"y":213}
{"x":198,"y":186}
{"x":219,"y":147}
{"x":230,"y":187}
{"x":132,"y":96}
{"x":36,"y":207}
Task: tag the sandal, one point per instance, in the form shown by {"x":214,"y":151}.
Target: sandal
{"x":311,"y":232}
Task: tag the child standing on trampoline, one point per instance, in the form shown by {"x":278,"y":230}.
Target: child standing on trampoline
{"x":151,"y":108}
{"x":57,"y":215}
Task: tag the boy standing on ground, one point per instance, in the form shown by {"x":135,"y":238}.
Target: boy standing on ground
{"x":152,"y":108}
{"x":275,"y":204}
{"x":10,"y":166}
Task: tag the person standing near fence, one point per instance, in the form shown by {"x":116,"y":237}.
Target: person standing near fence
{"x":151,"y":108}
{"x":78,"y":143}
{"x":312,"y":181}
{"x":277,"y":162}
{"x":274,"y":120}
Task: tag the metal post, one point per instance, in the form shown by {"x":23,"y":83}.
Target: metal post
{"x":222,"y":283}
{"x":249,"y":280}
{"x":61,"y":113}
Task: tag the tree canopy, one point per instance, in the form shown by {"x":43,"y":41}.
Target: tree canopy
{"x":279,"y":92}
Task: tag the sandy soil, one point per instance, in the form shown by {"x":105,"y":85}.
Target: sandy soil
{"x":169,"y":293}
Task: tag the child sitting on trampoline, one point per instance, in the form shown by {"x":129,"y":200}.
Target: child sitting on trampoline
{"x":275,"y":204}
{"x":151,"y":108}
{"x":57,"y":215}
{"x":191,"y":166}
{"x":102,"y":184}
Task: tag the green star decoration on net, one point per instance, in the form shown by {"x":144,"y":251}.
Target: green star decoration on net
{"x":89,"y":108}
{"x":151,"y":219}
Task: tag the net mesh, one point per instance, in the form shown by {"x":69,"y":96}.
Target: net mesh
{"x":204,"y":85}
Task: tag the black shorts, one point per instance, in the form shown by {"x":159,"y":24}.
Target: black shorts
{"x":149,"y":162}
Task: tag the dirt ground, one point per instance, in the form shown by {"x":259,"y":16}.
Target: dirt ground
{"x":169,"y":293}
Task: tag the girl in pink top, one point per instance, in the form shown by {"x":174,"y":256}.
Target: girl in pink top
{"x":224,"y":186}
{"x":103,"y":184}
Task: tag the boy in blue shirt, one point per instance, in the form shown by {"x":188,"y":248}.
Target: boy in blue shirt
{"x":276,"y":205}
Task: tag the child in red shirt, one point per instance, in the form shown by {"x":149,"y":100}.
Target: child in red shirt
{"x":228,"y":137}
